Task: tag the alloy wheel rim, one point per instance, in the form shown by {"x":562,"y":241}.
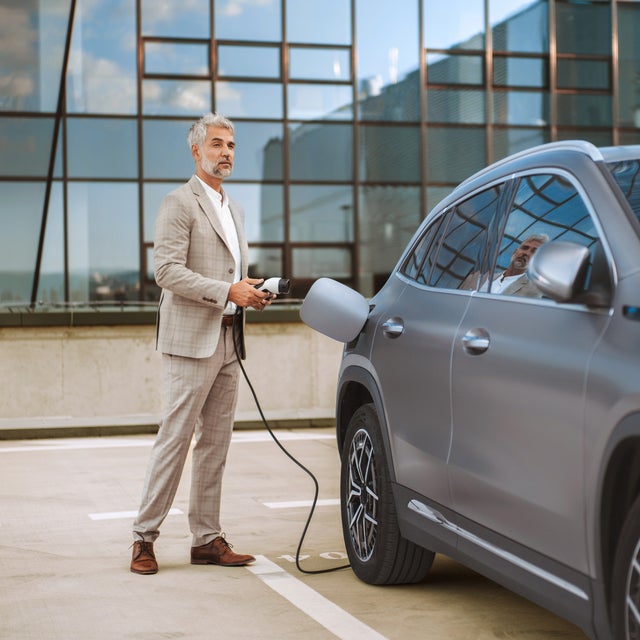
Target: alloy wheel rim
{"x":632,"y":597}
{"x":362,"y":496}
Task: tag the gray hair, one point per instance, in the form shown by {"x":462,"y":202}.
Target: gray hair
{"x":198,"y":131}
{"x":537,"y":237}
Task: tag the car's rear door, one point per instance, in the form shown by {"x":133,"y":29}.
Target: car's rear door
{"x":518,"y":393}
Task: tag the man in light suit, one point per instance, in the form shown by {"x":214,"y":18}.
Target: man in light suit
{"x":200,"y":261}
{"x":513,"y":281}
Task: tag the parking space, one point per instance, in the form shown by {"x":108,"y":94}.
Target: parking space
{"x":67,"y":508}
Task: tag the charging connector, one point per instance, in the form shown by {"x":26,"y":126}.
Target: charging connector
{"x":274,"y":285}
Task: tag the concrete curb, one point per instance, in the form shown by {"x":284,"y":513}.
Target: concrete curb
{"x":70,"y":427}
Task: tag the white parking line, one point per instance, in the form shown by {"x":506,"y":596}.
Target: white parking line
{"x":293,"y":504}
{"x":323,"y":611}
{"x":329,"y":502}
{"x":264,"y":436}
{"x":70,"y":446}
{"x":116,"y":515}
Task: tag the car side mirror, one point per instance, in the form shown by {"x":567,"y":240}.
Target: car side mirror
{"x":335,"y":310}
{"x":559,"y":270}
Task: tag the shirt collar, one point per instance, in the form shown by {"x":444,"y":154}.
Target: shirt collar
{"x":221,"y":198}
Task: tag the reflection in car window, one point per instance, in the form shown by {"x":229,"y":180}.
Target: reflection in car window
{"x":413,"y":265}
{"x":430,"y":258}
{"x":513,"y":280}
{"x":627,"y":175}
{"x":545,"y":206}
{"x":463,"y":245}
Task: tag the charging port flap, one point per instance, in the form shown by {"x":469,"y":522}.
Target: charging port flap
{"x":334,"y":310}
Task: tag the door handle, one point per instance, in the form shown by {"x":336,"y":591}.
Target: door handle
{"x":393,"y":327}
{"x":476,"y":341}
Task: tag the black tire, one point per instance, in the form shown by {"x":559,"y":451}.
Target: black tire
{"x":377,"y":552}
{"x":625,"y":591}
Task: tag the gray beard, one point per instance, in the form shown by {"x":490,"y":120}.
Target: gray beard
{"x":212,"y":170}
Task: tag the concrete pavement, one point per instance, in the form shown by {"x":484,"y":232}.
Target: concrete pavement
{"x":67,"y":507}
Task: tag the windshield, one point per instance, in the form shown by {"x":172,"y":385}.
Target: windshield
{"x":627,"y":174}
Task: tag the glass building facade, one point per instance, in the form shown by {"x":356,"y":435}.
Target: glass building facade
{"x":353,"y":118}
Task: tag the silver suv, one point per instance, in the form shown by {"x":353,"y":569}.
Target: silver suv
{"x":488,"y":401}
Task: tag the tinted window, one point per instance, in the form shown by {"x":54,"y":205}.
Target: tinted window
{"x":333,"y":141}
{"x":25,"y":146}
{"x":250,"y":100}
{"x":310,"y":63}
{"x":321,"y":213}
{"x":627,"y":175}
{"x":464,"y":242}
{"x":249,"y":61}
{"x":412,"y":266}
{"x":117,"y":140}
{"x":18,"y":248}
{"x":307,"y":22}
{"x":545,"y":208}
{"x":389,"y":154}
{"x":247,"y":20}
{"x":174,"y":58}
{"x":551,"y":205}
{"x":175,"y":19}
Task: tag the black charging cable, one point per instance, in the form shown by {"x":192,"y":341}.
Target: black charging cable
{"x":238,"y":317}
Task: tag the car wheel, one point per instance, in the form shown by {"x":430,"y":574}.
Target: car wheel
{"x":377,"y":552}
{"x":625,"y":599}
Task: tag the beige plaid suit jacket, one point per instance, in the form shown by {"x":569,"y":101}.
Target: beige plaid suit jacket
{"x":195,"y":268}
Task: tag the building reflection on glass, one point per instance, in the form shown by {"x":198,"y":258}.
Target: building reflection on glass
{"x":343,"y":147}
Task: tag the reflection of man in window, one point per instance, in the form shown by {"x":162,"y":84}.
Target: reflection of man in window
{"x":513,"y":281}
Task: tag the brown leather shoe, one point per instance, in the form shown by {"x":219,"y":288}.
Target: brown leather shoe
{"x":218,"y":551}
{"x":143,"y":560}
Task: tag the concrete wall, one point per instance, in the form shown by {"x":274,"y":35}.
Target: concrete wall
{"x":109,"y":376}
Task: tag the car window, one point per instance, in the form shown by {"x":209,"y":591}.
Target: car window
{"x":545,"y":207}
{"x":413,"y":265}
{"x":627,"y":174}
{"x":453,"y":262}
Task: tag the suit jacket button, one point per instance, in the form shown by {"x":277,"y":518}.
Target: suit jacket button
{"x":230,"y":270}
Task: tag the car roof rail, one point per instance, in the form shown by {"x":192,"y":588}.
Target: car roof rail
{"x":621,"y":152}
{"x":581,"y":146}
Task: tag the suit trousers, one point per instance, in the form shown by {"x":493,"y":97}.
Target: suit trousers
{"x":199,"y":397}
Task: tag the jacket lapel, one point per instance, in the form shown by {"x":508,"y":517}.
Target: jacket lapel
{"x":207,"y":208}
{"x":517,"y":286}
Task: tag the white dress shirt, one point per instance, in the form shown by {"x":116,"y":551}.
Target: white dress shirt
{"x":502,"y":282}
{"x":220,"y":202}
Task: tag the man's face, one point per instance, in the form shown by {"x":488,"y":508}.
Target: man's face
{"x":215,"y":156}
{"x":521,"y":256}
